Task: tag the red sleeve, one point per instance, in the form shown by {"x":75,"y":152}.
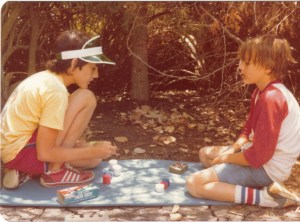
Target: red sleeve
{"x":269,"y":112}
{"x":247,"y":129}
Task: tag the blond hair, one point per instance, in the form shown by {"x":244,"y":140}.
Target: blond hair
{"x":269,"y":52}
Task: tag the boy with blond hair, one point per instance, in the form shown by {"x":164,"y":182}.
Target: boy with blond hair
{"x":269,"y":144}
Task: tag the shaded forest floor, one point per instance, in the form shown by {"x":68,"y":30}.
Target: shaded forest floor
{"x":174,"y":125}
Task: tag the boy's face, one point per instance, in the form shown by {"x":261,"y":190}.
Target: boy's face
{"x":85,"y":75}
{"x":253,"y":73}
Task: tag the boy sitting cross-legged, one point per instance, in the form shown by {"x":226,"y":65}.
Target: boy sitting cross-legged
{"x":269,"y":145}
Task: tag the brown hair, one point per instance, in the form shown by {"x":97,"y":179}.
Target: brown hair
{"x":268,"y":51}
{"x":68,"y":40}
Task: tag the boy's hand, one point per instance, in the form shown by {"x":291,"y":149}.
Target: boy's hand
{"x":105,"y":149}
{"x":220,"y":159}
{"x":229,"y":150}
{"x":223,"y":156}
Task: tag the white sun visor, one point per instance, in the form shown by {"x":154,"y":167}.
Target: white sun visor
{"x":91,"y":55}
{"x":72,"y":54}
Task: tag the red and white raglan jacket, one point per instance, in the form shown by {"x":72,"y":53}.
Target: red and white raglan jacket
{"x":274,"y":126}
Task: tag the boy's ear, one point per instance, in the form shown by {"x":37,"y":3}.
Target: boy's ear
{"x":268,"y":70}
{"x":73,"y":64}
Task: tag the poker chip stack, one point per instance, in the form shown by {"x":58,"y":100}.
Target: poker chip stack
{"x":165,"y":182}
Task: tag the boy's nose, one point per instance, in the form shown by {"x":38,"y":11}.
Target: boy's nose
{"x":240,"y":66}
{"x":96,"y":74}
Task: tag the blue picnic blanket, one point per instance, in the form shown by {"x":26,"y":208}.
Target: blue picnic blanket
{"x":134,"y":187}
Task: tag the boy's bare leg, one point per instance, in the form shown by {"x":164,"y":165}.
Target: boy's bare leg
{"x":82,"y":104}
{"x":205,"y":184}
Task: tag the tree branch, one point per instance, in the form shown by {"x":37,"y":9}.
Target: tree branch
{"x":234,"y":37}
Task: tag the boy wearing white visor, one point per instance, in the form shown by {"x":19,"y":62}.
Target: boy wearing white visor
{"x":42,"y":122}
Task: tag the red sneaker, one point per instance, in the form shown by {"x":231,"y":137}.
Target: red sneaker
{"x":67,"y":176}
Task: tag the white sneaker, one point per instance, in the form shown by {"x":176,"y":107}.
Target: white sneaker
{"x":13,"y":179}
{"x":283,"y":196}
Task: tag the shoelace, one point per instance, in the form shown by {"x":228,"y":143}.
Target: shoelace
{"x":284,"y":193}
{"x":70,"y":168}
{"x":289,"y":202}
{"x":24,"y":179}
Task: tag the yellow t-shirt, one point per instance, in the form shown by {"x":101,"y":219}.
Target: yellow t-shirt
{"x":41,"y":99}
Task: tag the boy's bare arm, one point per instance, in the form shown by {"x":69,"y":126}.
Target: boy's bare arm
{"x":48,"y":152}
{"x":234,"y":158}
{"x":233,"y":154}
{"x":236,"y":147}
{"x":239,"y":143}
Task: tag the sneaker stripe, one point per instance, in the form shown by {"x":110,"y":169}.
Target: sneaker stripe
{"x":67,"y":176}
{"x":74,"y":176}
{"x":289,"y":203}
{"x":64,"y":177}
{"x":70,"y":176}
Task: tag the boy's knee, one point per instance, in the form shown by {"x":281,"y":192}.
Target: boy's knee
{"x":201,"y":154}
{"x":189,"y":184}
{"x":203,"y":157}
{"x":93,"y":163}
{"x":87,"y":96}
{"x":193,"y":185}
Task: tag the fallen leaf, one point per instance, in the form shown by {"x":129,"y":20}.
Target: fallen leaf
{"x":211,"y":123}
{"x":184,"y":150}
{"x":139,"y":150}
{"x":158,"y":129}
{"x":169,"y":139}
{"x":121,"y":139}
{"x":99,"y":131}
{"x":169,"y":129}
{"x":155,"y":138}
{"x":207,"y":140}
{"x":181,"y":129}
{"x":192,"y":125}
{"x":201,"y":128}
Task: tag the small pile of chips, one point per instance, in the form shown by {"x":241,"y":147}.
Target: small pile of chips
{"x":165,"y":182}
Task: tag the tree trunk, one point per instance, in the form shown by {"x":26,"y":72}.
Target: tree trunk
{"x":33,"y":41}
{"x":139,"y":75}
{"x":11,"y":13}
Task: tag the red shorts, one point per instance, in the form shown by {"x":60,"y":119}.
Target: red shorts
{"x":26,"y":160}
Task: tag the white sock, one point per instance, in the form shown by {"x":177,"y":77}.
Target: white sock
{"x":266,"y":200}
{"x":250,"y":196}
